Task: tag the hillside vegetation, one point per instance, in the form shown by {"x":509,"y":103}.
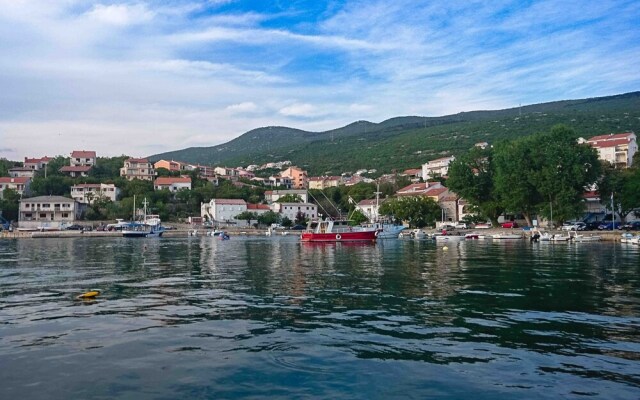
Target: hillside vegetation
{"x":408,"y":142}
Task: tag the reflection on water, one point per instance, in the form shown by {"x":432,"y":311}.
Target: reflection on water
{"x":198,"y":317}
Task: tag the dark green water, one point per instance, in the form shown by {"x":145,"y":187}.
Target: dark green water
{"x":198,"y":318}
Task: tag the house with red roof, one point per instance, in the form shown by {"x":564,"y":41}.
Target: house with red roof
{"x":172,"y":183}
{"x":76,"y":171}
{"x":258,"y":209}
{"x":36,"y":164}
{"x":617,"y":149}
{"x":437,"y":167}
{"x":223,"y":211}
{"x":20,"y":185}
{"x":83,"y":158}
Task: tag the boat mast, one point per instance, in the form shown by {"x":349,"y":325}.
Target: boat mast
{"x":133,"y":216}
{"x":377,"y":201}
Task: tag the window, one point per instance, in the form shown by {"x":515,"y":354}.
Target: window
{"x":65,"y":215}
{"x":42,"y":215}
{"x":46,"y":205}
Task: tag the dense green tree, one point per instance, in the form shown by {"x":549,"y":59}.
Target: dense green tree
{"x":5,"y":166}
{"x":9,"y":204}
{"x":624,"y":184}
{"x":289,"y":198}
{"x":472,"y":176}
{"x":418,"y":211}
{"x":107,"y":168}
{"x":564,"y":169}
{"x":246,"y":216}
{"x":514,"y":169}
{"x":301,"y":218}
{"x":286,"y":222}
{"x":357,"y":217}
{"x":268,"y":218}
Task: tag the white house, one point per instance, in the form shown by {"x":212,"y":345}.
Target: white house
{"x":51,"y":212}
{"x":280,"y":181}
{"x":20,"y":185}
{"x":291,"y":210}
{"x":83,"y":158}
{"x":437,"y":167}
{"x":370,"y":208}
{"x":87,"y":193}
{"x":617,"y":149}
{"x":223,"y":210}
{"x":36,"y":164}
{"x":21,"y":172}
{"x":271,"y":196}
{"x":173,"y":184}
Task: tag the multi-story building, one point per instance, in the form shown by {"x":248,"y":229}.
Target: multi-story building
{"x":437,"y":167}
{"x":279,"y":181}
{"x":83,"y":158}
{"x":258,"y":209}
{"x":369,"y":208}
{"x":414,"y":174}
{"x":87,"y":193}
{"x":223,"y":211}
{"x":323,"y":182}
{"x":271,"y":196}
{"x":138,"y":168}
{"x":36,"y":164}
{"x":617,"y":149}
{"x":169,"y":165}
{"x":49,"y":212}
{"x":297,"y":175}
{"x":75,"y":171}
{"x":172,"y":183}
{"x":291,"y":210}
{"x":21,"y":172}
{"x":20,"y":185}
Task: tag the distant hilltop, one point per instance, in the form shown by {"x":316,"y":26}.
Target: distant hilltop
{"x":403,"y":142}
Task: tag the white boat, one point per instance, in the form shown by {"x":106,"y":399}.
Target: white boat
{"x":387,"y":230}
{"x":584,"y":238}
{"x":560,"y":238}
{"x":626,"y":238}
{"x":149,"y":227}
{"x":506,"y":236}
{"x":448,"y":238}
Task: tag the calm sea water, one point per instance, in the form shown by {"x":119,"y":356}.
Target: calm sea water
{"x":199,"y":318}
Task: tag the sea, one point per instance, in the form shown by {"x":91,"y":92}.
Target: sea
{"x":271,"y":317}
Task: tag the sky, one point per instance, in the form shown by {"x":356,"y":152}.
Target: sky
{"x":144,"y":77}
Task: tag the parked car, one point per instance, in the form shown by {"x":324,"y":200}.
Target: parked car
{"x":574,"y":226}
{"x":75,"y":227}
{"x":609,"y":226}
{"x":510,"y":224}
{"x":632,"y":226}
{"x":461,"y":225}
{"x":483,"y":226}
{"x":298,"y":227}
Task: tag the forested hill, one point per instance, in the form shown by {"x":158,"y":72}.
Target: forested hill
{"x":407,"y":142}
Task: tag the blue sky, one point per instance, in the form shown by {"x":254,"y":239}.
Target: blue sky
{"x":142,"y":77}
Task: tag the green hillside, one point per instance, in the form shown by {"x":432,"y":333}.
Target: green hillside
{"x":406,"y":142}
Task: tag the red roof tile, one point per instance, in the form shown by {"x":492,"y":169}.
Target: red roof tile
{"x":8,"y":179}
{"x":251,"y":206}
{"x":83,"y":154}
{"x":169,"y":180}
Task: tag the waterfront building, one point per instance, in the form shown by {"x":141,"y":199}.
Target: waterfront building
{"x":370,"y":208}
{"x":258,"y":209}
{"x":223,"y":210}
{"x":291,"y":210}
{"x":138,"y":168}
{"x":323,"y":182}
{"x":87,"y":193}
{"x":49,"y":212}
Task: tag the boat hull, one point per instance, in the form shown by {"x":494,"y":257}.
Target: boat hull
{"x":365,"y":236}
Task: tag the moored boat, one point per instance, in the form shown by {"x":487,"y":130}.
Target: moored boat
{"x":506,"y":236}
{"x":337,"y":231}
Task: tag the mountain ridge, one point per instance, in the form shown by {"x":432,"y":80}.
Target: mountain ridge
{"x":413,"y":134}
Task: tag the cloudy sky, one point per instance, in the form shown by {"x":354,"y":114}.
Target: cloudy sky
{"x":142,"y":77}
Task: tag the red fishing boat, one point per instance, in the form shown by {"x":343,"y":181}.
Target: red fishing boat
{"x":338,"y":231}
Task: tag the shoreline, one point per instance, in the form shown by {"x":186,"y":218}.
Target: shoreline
{"x":235,"y":231}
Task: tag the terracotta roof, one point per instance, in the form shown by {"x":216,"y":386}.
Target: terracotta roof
{"x":138,"y":160}
{"x":87,"y":185}
{"x":83,"y":154}
{"x":609,"y":143}
{"x":36,"y":160}
{"x":591,"y":195}
{"x":441,"y":159}
{"x":413,"y":171}
{"x":626,"y":135}
{"x":436,"y":191}
{"x":368,"y":202}
{"x":168,"y":180}
{"x":79,"y":168}
{"x":8,"y":179}
{"x":39,"y":199}
{"x":251,"y":206}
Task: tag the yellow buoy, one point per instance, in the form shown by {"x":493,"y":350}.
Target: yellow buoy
{"x":89,"y":295}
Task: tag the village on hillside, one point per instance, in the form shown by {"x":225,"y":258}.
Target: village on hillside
{"x":285,"y":194}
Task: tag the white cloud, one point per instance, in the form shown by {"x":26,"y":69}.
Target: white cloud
{"x":299,"y":110}
{"x":245,"y":107}
{"x":120,"y":14}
